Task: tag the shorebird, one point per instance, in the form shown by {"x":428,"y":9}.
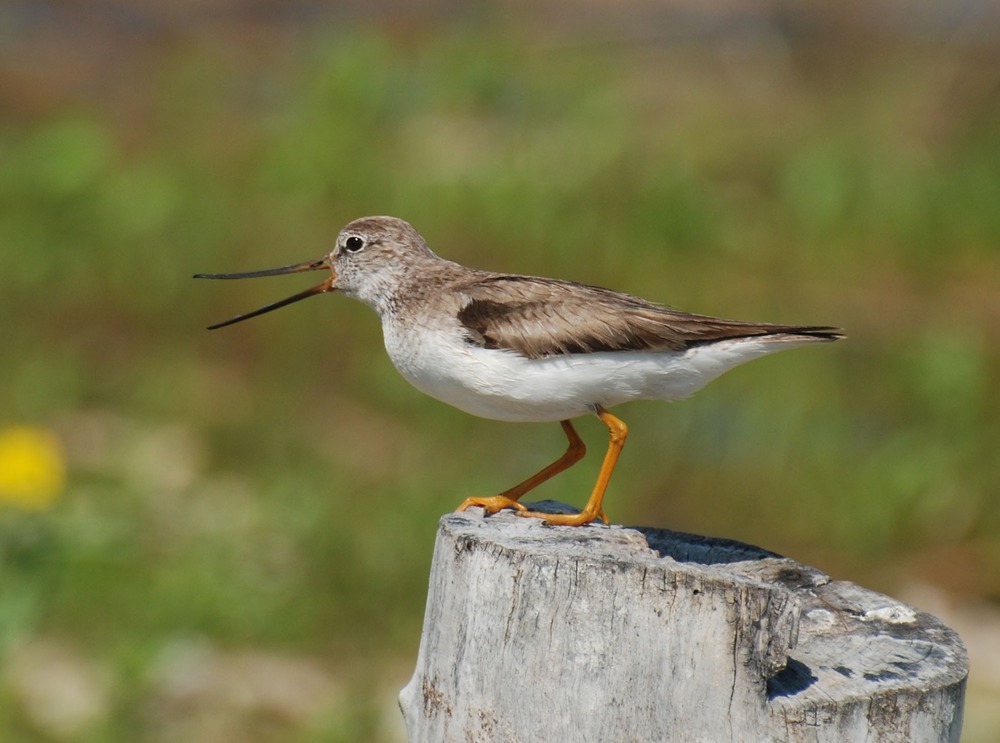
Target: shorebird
{"x":526,"y":348}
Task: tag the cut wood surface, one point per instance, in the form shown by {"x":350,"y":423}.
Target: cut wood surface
{"x":598,"y":633}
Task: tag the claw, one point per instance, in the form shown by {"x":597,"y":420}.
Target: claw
{"x":565,"y":519}
{"x":491,"y":504}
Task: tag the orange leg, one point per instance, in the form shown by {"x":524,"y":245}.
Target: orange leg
{"x":593,"y":510}
{"x":509,"y":498}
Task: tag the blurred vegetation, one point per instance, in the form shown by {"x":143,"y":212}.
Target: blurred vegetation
{"x":274,"y":487}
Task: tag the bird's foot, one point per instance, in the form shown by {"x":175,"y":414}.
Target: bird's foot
{"x":491,"y":504}
{"x":566,"y":519}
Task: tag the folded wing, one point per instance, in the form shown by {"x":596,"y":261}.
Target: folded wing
{"x":538,"y":317}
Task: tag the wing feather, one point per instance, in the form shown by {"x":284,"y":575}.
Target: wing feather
{"x":538,"y":317}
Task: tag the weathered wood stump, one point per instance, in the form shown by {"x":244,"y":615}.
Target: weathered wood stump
{"x":535,"y":633}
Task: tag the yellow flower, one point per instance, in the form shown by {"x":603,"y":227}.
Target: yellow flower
{"x":32,"y":467}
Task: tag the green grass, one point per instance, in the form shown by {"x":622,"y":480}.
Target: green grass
{"x":277,"y":485}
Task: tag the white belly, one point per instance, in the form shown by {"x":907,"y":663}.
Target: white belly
{"x":504,"y":385}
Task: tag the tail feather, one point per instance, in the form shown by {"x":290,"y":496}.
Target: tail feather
{"x":770,"y":333}
{"x":817,"y":332}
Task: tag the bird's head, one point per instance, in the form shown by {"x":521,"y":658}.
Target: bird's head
{"x":372,"y":258}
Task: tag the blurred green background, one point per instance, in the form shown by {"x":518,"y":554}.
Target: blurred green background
{"x":226,"y":536}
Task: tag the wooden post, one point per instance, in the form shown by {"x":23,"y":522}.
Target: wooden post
{"x":535,"y":633}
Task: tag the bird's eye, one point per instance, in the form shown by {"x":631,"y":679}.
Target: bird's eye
{"x":353,"y":244}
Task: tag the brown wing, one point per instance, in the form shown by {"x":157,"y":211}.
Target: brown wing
{"x":539,"y":317}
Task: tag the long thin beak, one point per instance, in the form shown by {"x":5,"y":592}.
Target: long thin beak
{"x":317,"y":265}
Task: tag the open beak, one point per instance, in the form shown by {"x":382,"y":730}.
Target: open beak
{"x":317,"y":265}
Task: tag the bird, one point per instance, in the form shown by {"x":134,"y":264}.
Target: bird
{"x":522,"y":348}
